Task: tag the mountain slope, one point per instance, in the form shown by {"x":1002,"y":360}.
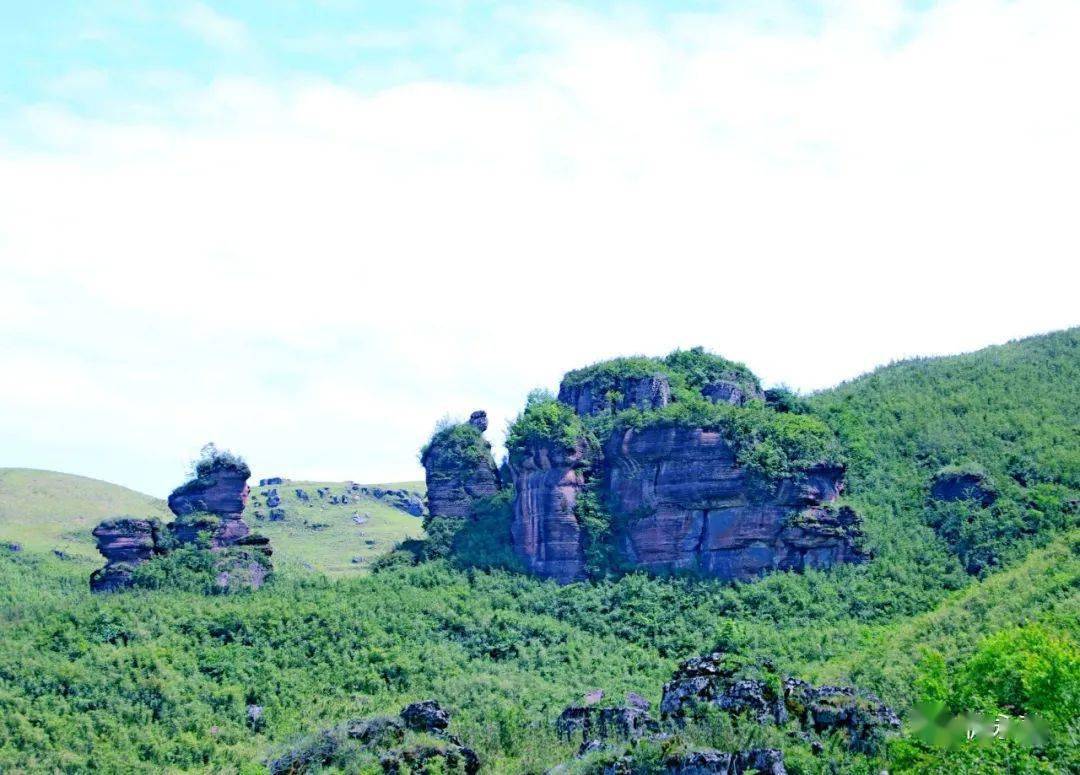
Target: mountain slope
{"x":46,"y":510}
{"x":51,"y":510}
{"x":1012,"y":411}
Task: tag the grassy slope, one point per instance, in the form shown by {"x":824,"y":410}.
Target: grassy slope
{"x":319,"y":535}
{"x":50,"y":510}
{"x":44,"y":510}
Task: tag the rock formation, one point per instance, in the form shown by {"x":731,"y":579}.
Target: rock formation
{"x":545,"y":530}
{"x":696,"y":511}
{"x":592,"y":396}
{"x":125,"y":543}
{"x":594,"y":724}
{"x":386,"y":737}
{"x":211,"y":504}
{"x":717,"y":680}
{"x":760,"y":761}
{"x":213,"y":501}
{"x":459,"y":468}
{"x":730,"y":391}
{"x":951,"y":484}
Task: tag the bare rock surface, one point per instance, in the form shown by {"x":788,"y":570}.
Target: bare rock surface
{"x":651,"y":392}
{"x":125,"y":544}
{"x":693,"y":507}
{"x":545,"y":531}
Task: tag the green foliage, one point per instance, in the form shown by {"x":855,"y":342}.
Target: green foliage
{"x":1024,"y":670}
{"x":609,"y":375}
{"x":1014,"y":409}
{"x":695,"y":368}
{"x":544,"y":420}
{"x":456,"y":447}
{"x":211,"y":459}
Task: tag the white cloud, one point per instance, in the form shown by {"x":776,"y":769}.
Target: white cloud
{"x":313,"y":274}
{"x":215,"y":28}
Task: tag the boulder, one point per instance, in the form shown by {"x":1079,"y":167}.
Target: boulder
{"x":12,"y":547}
{"x":593,"y":397}
{"x":545,"y":531}
{"x":426,"y":716}
{"x":479,"y":420}
{"x":596,"y":724}
{"x":271,"y":481}
{"x":732,"y":392}
{"x":125,"y":544}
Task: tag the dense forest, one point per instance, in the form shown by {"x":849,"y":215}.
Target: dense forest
{"x":968,"y":607}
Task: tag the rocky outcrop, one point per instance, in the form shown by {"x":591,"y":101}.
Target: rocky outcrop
{"x":722,"y":682}
{"x":386,"y":737}
{"x":212,"y":502}
{"x":760,"y":761}
{"x":545,"y":530}
{"x":730,"y":391}
{"x":957,"y":485}
{"x":688,"y":505}
{"x":459,"y":469}
{"x":125,"y":544}
{"x":594,"y":725}
{"x":594,"y":396}
{"x":210,"y":505}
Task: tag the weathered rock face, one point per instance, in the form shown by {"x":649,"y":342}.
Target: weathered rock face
{"x":760,"y":761}
{"x":545,"y":531}
{"x":221,"y":493}
{"x":594,"y":725}
{"x":713,"y":680}
{"x":385,"y":736}
{"x":957,"y":486}
{"x":587,"y":398}
{"x":125,"y":544}
{"x":730,"y":392}
{"x":458,"y":472}
{"x":689,"y":505}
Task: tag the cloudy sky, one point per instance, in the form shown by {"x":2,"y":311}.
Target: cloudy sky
{"x":307,"y":230}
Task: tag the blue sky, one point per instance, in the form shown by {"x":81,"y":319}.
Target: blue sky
{"x":307,"y":231}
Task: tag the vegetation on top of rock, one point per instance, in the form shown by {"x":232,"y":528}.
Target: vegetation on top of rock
{"x":772,"y":445}
{"x":212,"y":459}
{"x":458,"y":445}
{"x":543,"y":420}
{"x":691,"y":369}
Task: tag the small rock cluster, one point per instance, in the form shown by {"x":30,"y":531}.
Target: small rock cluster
{"x":385,"y":736}
{"x":733,"y":686}
{"x":718,"y":680}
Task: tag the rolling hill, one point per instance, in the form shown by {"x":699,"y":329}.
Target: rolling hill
{"x":48,"y":510}
{"x":164,"y":679}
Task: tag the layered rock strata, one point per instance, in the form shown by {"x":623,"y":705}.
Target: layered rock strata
{"x":126,"y":544}
{"x":545,"y":530}
{"x":459,"y":469}
{"x":690,"y":506}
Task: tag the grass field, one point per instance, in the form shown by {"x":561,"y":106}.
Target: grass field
{"x":48,"y":510}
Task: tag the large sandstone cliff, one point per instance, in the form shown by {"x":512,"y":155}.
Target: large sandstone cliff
{"x":674,"y":495}
{"x":688,"y":505}
{"x":545,"y":530}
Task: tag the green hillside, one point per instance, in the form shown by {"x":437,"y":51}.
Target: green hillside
{"x":975,"y":608}
{"x":333,"y":538}
{"x":47,"y":510}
